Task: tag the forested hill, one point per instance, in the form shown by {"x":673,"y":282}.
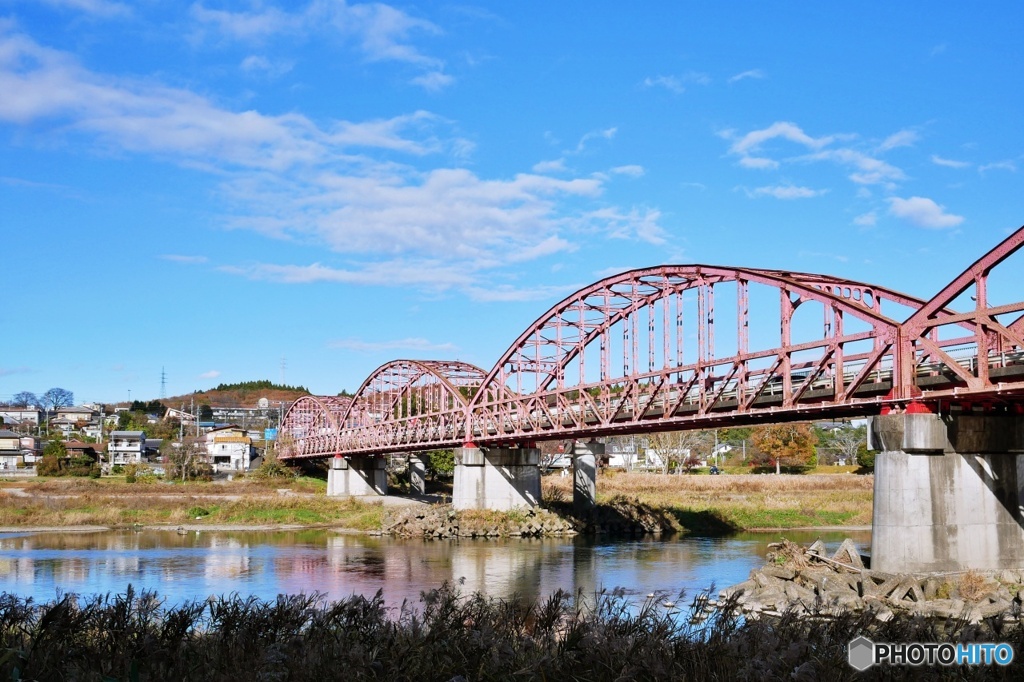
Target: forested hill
{"x":244,"y":394}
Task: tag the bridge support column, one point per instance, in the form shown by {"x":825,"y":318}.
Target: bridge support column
{"x":949,"y":492}
{"x":417,"y":475}
{"x":584,"y":466}
{"x":496,"y":478}
{"x":357,"y":477}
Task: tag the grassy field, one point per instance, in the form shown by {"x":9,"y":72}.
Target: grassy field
{"x":738,"y":502}
{"x":692,"y":502}
{"x":112,"y":502}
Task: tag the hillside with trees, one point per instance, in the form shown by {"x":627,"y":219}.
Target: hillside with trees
{"x":242,"y":394}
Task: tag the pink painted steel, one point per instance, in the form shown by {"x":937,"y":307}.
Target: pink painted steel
{"x":557,"y":380}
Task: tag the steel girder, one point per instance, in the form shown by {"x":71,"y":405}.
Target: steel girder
{"x":563,"y":377}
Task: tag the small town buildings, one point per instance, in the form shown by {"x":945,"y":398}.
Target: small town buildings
{"x":77,"y":449}
{"x":31,"y":449}
{"x":10,"y":450}
{"x":181,"y":415}
{"x":126,"y":447}
{"x":22,"y":415}
{"x":229,"y":449}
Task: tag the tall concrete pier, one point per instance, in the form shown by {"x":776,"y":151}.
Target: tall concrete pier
{"x":584,"y":479}
{"x":496,"y":478}
{"x":949,"y":492}
{"x":357,"y":477}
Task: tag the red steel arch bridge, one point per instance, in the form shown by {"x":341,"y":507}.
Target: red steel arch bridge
{"x":696,"y":346}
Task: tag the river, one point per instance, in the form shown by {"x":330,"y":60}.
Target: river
{"x":264,"y":564}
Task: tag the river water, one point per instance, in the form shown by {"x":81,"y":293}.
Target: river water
{"x":264,"y":564}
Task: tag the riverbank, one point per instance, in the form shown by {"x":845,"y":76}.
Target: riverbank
{"x":628,"y":503}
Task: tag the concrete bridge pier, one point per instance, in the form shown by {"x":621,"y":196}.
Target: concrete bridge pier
{"x":949,"y":492}
{"x":496,"y":478}
{"x":584,"y":482}
{"x":357,"y":477}
{"x":418,"y":474}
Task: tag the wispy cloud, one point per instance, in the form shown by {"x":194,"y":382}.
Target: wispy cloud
{"x":753,"y":140}
{"x":949,"y":163}
{"x":866,"y":219}
{"x":254,"y":64}
{"x":340,"y":185}
{"x":553,"y":166}
{"x":506,"y":293}
{"x":998,"y":165}
{"x":212,"y":374}
{"x":606,"y":134}
{"x":414,"y":344}
{"x":186,"y":260}
{"x":752,"y":73}
{"x":923,"y":212}
{"x":380,"y":32}
{"x":98,"y":8}
{"x":632,"y":171}
{"x":671,"y":83}
{"x":8,"y":371}
{"x":903,"y":138}
{"x":786,"y":192}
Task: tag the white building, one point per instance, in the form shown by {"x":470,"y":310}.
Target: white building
{"x":126,"y":447}
{"x":10,"y":450}
{"x":229,"y":448}
{"x":22,"y":415}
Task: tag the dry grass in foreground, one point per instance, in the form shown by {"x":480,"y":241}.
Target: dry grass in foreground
{"x":738,"y":502}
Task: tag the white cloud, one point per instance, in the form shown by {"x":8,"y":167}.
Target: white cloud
{"x":633,"y":171}
{"x":866,"y":219}
{"x":412,"y":343}
{"x":753,"y":140}
{"x":998,"y":165}
{"x":786,"y":192}
{"x":752,"y":73}
{"x":638,"y":223}
{"x":336,"y":185}
{"x":212,"y":374}
{"x":259,"y":64}
{"x":379,"y":31}
{"x":99,"y":8}
{"x":759,"y":162}
{"x":923,"y":212}
{"x":187,"y":260}
{"x":9,"y":371}
{"x":948,"y":163}
{"x":554,"y":166}
{"x":904,"y":138}
{"x":606,"y":134}
{"x":433,"y":81}
{"x":670,"y":83}
{"x":868,"y":170}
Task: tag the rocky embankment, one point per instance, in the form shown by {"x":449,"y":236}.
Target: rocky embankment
{"x":806,"y":581}
{"x":620,"y":517}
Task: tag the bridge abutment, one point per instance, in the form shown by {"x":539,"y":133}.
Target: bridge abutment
{"x":496,"y":478}
{"x":357,"y":477}
{"x":584,"y":483}
{"x":948,"y":492}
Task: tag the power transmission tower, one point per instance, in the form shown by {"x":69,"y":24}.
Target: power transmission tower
{"x":163,"y":384}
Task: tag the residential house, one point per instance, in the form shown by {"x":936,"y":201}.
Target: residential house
{"x":31,"y":449}
{"x":181,"y":415}
{"x":77,"y":449}
{"x":22,"y":415}
{"x":126,"y":447}
{"x":10,"y":450}
{"x":229,"y":448}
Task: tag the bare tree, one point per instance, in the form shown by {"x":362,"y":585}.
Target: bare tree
{"x":846,"y":442}
{"x":675,"y":447}
{"x":24,"y":399}
{"x":56,"y":398}
{"x":188,"y":460}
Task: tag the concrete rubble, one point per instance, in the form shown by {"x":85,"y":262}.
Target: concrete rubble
{"x":808,"y":582}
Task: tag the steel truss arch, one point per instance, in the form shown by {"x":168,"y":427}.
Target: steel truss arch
{"x":404,"y":403}
{"x":987,"y":359}
{"x":672,"y":391}
{"x":310,"y":427}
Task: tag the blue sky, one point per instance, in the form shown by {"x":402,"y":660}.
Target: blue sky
{"x":219,"y":187}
